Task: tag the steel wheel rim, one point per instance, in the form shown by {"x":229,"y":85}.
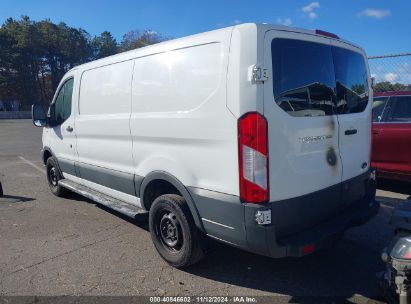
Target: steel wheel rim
{"x":53,"y":176}
{"x":169,"y":231}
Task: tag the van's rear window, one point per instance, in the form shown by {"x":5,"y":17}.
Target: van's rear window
{"x":312,"y":79}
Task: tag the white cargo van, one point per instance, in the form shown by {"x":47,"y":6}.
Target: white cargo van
{"x":255,"y":135}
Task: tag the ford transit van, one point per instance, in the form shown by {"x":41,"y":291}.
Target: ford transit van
{"x":255,"y":135}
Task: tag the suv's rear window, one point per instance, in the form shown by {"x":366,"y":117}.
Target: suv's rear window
{"x":312,"y":79}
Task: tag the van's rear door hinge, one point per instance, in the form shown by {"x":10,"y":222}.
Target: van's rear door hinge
{"x":260,"y":74}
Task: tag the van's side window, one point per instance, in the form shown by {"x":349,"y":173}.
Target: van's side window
{"x":62,"y":104}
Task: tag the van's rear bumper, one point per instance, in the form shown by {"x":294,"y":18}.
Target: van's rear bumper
{"x":227,"y":219}
{"x":265,"y":240}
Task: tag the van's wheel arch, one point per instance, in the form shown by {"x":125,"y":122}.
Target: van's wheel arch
{"x":159,"y":183}
{"x":53,"y":176}
{"x":174,"y":232}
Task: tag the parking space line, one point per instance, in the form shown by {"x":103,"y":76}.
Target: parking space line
{"x":33,"y":165}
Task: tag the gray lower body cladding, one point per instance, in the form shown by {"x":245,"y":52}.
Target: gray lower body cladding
{"x":121,"y":181}
{"x":316,"y":219}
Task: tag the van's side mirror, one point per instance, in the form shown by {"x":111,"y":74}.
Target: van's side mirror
{"x":39,"y":115}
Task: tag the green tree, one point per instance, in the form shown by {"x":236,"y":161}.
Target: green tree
{"x":385,"y":86}
{"x":24,"y":58}
{"x":104,"y":45}
{"x":8,"y":77}
{"x":63,"y":47}
{"x":34,"y":56}
{"x":136,"y":39}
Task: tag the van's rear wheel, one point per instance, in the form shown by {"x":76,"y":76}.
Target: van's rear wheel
{"x":53,"y":177}
{"x":173,"y":231}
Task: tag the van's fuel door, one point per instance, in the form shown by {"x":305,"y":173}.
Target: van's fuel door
{"x":258,"y":73}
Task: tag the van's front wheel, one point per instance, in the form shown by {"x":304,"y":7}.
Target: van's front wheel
{"x":53,"y":177}
{"x":173,"y":231}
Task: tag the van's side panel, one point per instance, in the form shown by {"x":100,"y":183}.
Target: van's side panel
{"x":242,"y":94}
{"x":180,"y":124}
{"x":103,"y":132}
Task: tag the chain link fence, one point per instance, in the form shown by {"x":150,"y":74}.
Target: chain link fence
{"x":391,"y":72}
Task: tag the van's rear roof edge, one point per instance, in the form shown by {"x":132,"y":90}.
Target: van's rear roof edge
{"x":278,"y":27}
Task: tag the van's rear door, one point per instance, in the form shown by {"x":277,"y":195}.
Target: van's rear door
{"x":305,"y":168}
{"x":354,"y":119}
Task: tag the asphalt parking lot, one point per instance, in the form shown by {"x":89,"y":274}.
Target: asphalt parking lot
{"x":70,"y":246}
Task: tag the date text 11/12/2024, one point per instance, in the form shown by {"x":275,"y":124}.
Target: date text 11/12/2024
{"x":203,"y":299}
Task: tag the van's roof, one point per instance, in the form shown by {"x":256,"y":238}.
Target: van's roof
{"x":262,"y":27}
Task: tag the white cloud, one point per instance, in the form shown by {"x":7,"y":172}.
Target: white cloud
{"x":310,"y":9}
{"x":375,"y":13}
{"x":391,"y":77}
{"x":285,"y":21}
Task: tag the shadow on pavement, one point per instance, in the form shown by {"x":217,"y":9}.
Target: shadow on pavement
{"x":15,"y":199}
{"x":141,"y":220}
{"x":335,"y":274}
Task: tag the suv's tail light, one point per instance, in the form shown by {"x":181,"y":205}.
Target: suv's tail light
{"x":253,"y":158}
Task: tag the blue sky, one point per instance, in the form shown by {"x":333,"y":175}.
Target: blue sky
{"x":380,"y":26}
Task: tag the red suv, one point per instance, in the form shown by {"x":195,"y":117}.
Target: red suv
{"x":391,"y":135}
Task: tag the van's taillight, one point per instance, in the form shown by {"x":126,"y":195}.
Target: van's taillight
{"x":253,"y":158}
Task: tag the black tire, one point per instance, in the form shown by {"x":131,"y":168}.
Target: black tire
{"x":173,"y":231}
{"x":53,"y":176}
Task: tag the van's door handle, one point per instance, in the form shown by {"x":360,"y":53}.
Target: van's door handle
{"x":69,"y":129}
{"x":350,"y":132}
